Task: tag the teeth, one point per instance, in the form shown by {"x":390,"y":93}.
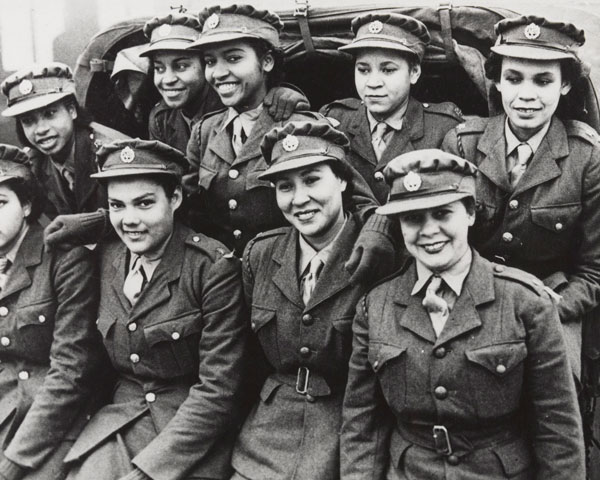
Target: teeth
{"x":305,"y":215}
{"x":226,"y":87}
{"x":133,"y":234}
{"x":434,"y":247}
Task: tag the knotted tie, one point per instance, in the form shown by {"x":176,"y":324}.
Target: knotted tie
{"x":69,"y":178}
{"x":435,"y":305}
{"x":378,"y":138}
{"x":4,"y":264}
{"x":136,"y":280}
{"x":524,"y":153}
{"x":238,"y":137}
{"x":310,"y":279}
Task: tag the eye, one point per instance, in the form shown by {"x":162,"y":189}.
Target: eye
{"x":388,"y":70}
{"x":512,"y":79}
{"x":362,"y":70}
{"x":146,"y":203}
{"x":233,"y":58}
{"x":182,"y":66}
{"x":544,"y":81}
{"x":283,"y":187}
{"x":441,"y":213}
{"x":49,"y":113}
{"x":2,"y":203}
{"x":411,"y":218}
{"x":159,"y":69}
{"x":209,"y":61}
{"x":311,"y":179}
{"x":26,"y":121}
{"x":114,"y":205}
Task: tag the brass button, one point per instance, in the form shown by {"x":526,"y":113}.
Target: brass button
{"x":196,"y":238}
{"x":237,"y":234}
{"x":232,"y":204}
{"x":150,"y":397}
{"x":453,"y":460}
{"x":559,"y":226}
{"x":307,"y":319}
{"x":507,"y":237}
{"x":310,"y":398}
{"x":253,"y":325}
{"x":5,"y":341}
{"x":440,"y":392}
{"x":41,"y":318}
{"x":501,"y":369}
{"x":439,"y":352}
{"x":175,"y":336}
{"x":498,"y":268}
{"x":233,"y":174}
{"x":134,"y":357}
{"x":376,"y":364}
{"x":378,"y":176}
{"x":23,"y":375}
{"x":3,"y":311}
{"x":305,"y":352}
{"x":513,"y":204}
{"x":132,"y":327}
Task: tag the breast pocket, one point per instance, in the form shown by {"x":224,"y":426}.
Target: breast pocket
{"x":206,"y":176}
{"x":496,"y":377}
{"x":264,"y":325}
{"x":389,"y":364}
{"x":557,"y":223}
{"x":174,"y":343}
{"x":35,"y":324}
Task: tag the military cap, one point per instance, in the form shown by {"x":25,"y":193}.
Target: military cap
{"x":14,"y":163}
{"x":536,"y":38}
{"x":175,"y":31}
{"x":222,"y":24}
{"x":392,"y":31}
{"x":122,"y":158}
{"x":300,"y":144}
{"x":36,"y":87}
{"x":428,"y":178}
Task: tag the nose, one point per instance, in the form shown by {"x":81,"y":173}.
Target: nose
{"x":429,"y":227}
{"x":168,"y":76}
{"x":219,"y":70}
{"x":527,"y":91}
{"x":41,"y":126}
{"x":300,"y":197}
{"x":373,"y":80}
{"x":130,"y":217}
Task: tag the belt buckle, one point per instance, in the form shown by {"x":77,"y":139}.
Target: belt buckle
{"x":441,"y":440}
{"x":302,"y":380}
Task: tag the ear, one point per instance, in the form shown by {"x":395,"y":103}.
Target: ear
{"x":415,"y":74}
{"x":268,"y":62}
{"x":72,"y":109}
{"x":344,"y":184}
{"x":26,"y":209}
{"x":177,"y":198}
{"x":566,"y":88}
{"x":471,"y":219}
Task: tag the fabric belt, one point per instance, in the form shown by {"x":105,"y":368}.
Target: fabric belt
{"x":307,"y":382}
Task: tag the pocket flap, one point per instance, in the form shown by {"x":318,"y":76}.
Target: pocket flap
{"x":380,"y":354}
{"x":41,"y":313}
{"x":260,"y":317}
{"x":205,"y":176}
{"x":252,"y":180}
{"x":174,"y":329}
{"x":514,"y":456}
{"x":556,"y":218}
{"x":500,"y":358}
{"x":270,"y":385}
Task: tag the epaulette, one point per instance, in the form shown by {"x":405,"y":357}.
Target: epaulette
{"x":211,"y":247}
{"x":447,"y":109}
{"x":520,"y":276}
{"x":582,"y":130}
{"x":396,"y":273}
{"x":474,"y":125}
{"x":208,"y":115}
{"x":159,"y":107}
{"x":271,"y":233}
{"x":345,"y":104}
{"x":100,"y":134}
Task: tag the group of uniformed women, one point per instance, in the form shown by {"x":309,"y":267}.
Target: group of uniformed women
{"x":284,"y":365}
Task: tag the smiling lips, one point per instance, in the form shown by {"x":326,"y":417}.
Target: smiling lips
{"x":434,"y":247}
{"x":305,"y":215}
{"x":226,"y":87}
{"x":46,"y":142}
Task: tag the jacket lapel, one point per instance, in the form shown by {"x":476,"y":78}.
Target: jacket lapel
{"x":493,"y":145}
{"x":251,"y":148}
{"x":220,"y":143}
{"x":28,"y":255}
{"x":360,"y":136}
{"x":286,"y":277}
{"x":412,"y":129}
{"x":85,"y":187}
{"x":118,"y":276}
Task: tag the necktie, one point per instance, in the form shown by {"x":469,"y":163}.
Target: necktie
{"x":524,"y":153}
{"x":435,"y":305}
{"x":238,"y":137}
{"x":69,"y":178}
{"x":310,"y":279}
{"x":135,"y":281}
{"x":4,"y":264}
{"x":378,"y":138}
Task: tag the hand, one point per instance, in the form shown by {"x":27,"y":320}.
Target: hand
{"x":67,"y":231}
{"x":373,"y":257}
{"x":281,"y":102}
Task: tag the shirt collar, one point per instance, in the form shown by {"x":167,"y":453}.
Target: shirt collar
{"x":248,"y":118}
{"x":68,"y":164}
{"x":394,"y":121}
{"x":513,"y":142}
{"x":11,"y":255}
{"x":307,"y":252}
{"x":454,"y":276}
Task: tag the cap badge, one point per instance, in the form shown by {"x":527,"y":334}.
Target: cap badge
{"x":412,"y":181}
{"x":164,"y":30}
{"x":532,"y":31}
{"x":290,"y":143}
{"x":25,"y":87}
{"x":375,"y":26}
{"x":127,"y":155}
{"x":212,"y":21}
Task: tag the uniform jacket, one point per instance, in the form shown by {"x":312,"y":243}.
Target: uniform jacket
{"x":50,"y":348}
{"x":548,"y":225}
{"x":289,"y":435}
{"x":233,"y":205}
{"x":168,"y":125}
{"x":424,"y":126}
{"x":88,"y":195}
{"x":497,"y":373}
{"x":188,"y":333}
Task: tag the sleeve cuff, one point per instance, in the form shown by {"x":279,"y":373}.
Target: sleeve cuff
{"x":10,"y":470}
{"x":137,"y":474}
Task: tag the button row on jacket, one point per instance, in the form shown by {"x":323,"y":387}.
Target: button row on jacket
{"x":5,"y":341}
{"x":237,"y":234}
{"x":150,"y":397}
{"x":439,"y":352}
{"x":233,"y":204}
{"x":507,"y":237}
{"x":233,"y":174}
{"x":132,"y":327}
{"x":3,"y":311}
{"x":378,"y":176}
{"x":23,"y":375}
{"x":440,"y":392}
{"x":513,"y":204}
{"x":134,"y":357}
{"x":307,"y":319}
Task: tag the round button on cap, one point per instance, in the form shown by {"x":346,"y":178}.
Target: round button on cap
{"x":507,"y":237}
{"x":453,"y":460}
{"x":500,"y":369}
{"x":440,"y":392}
{"x":132,"y":327}
{"x":23,"y":375}
{"x":307,"y":319}
{"x":233,"y":174}
{"x":498,"y":268}
{"x":134,"y":357}
{"x":305,"y":351}
{"x":150,"y":397}
{"x":378,"y":176}
{"x":233,"y":204}
{"x":237,"y":234}
{"x":196,"y":238}
{"x":3,"y":311}
{"x":5,"y":341}
{"x":175,"y":336}
{"x":439,"y":352}
{"x":513,"y":204}
{"x":559,"y":226}
{"x":41,"y":318}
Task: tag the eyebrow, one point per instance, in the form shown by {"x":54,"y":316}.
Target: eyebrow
{"x":135,"y":199}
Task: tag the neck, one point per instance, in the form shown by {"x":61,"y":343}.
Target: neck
{"x":16,"y":239}
{"x":399,"y":108}
{"x":319,"y":243}
{"x":62,"y":156}
{"x":525,"y":134}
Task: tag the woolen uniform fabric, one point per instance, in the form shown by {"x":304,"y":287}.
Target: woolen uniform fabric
{"x":424,"y":126}
{"x":497,"y":378}
{"x":87,"y":195}
{"x":289,"y":435}
{"x":50,"y":354}
{"x":231,"y":197}
{"x":173,"y":413}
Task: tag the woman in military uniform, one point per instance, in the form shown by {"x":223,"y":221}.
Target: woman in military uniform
{"x":302,"y":305}
{"x":50,"y":350}
{"x":386,"y":121}
{"x":171,"y":317}
{"x":459,"y":368}
{"x":61,"y":137}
